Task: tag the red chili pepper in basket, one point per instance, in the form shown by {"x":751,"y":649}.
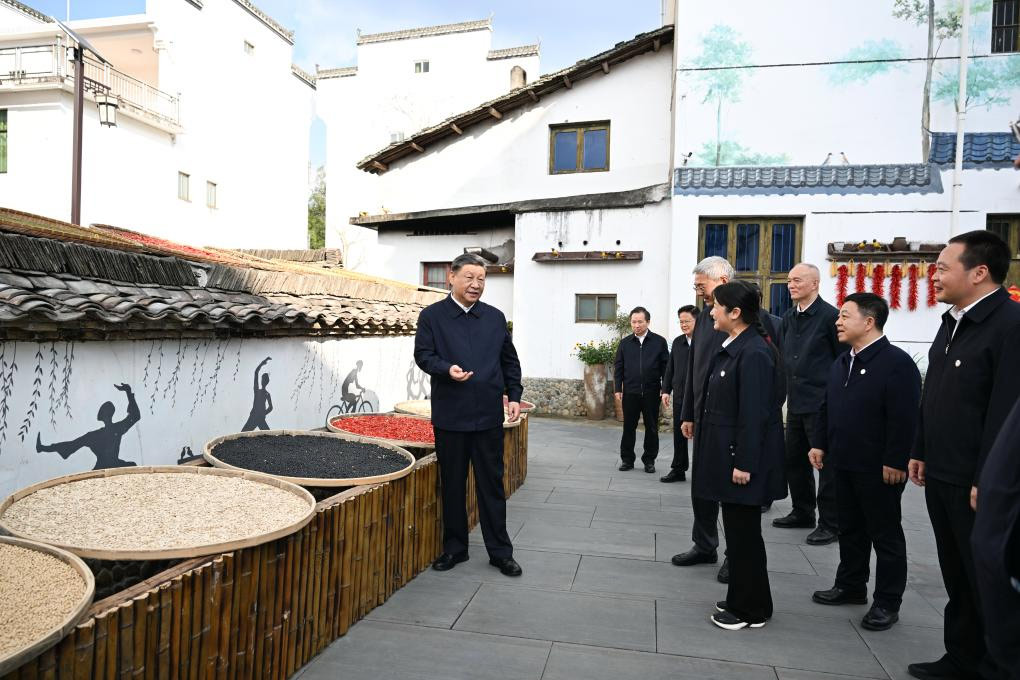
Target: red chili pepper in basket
{"x":388,"y":427}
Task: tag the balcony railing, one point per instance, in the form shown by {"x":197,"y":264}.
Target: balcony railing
{"x":31,"y":64}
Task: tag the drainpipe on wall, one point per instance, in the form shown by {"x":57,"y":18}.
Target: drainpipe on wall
{"x":961,"y":115}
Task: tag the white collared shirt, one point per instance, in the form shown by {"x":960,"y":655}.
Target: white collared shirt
{"x":801,"y":310}
{"x":729,"y":340}
{"x":853,"y":353}
{"x":957,"y":313}
{"x":466,"y":309}
{"x":641,"y":338}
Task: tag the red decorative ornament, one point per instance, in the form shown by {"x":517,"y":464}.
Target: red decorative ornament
{"x":932,"y":301}
{"x":842,"y":278}
{"x":912,"y":287}
{"x":895,"y":282}
{"x":860,"y":279}
{"x":878,"y":280}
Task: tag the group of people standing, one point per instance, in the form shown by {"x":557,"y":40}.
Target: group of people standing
{"x":857,"y":415}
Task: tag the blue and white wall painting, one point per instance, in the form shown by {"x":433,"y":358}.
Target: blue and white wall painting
{"x":69,"y":407}
{"x":867,"y":112}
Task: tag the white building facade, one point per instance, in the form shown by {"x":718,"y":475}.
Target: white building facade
{"x":212,"y":135}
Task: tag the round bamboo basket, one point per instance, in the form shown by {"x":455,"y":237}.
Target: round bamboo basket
{"x":99,"y":553}
{"x":399,"y":443}
{"x":21,"y":656}
{"x":423,"y":407}
{"x":315,"y":481}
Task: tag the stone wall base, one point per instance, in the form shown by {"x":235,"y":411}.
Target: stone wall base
{"x":565,"y":397}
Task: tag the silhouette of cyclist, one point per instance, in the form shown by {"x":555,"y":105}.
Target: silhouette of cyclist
{"x":104,"y":442}
{"x":349,"y":397}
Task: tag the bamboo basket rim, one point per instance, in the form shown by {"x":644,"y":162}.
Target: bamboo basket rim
{"x":400,"y":406}
{"x":313,"y":481}
{"x":168,"y":553}
{"x":25,"y":654}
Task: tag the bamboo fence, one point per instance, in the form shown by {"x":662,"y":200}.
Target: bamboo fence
{"x":263,"y":612}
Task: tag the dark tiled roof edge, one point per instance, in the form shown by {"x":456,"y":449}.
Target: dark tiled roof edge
{"x":510,"y":52}
{"x":28,"y":11}
{"x":425,"y":31}
{"x":980,"y":149}
{"x":808,"y":179}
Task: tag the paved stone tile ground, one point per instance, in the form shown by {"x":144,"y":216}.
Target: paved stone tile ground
{"x":600,"y":600}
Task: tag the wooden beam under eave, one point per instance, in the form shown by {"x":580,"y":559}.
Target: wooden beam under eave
{"x":656,"y":45}
{"x":381,"y":167}
{"x":453,"y":126}
{"x":418,"y":147}
{"x":494,"y":113}
{"x":605,"y":66}
{"x":566,"y":82}
{"x":534,"y":97}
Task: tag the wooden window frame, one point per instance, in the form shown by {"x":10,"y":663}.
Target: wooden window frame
{"x":184,"y":186}
{"x":211,"y":189}
{"x":1001,"y":32}
{"x":425,"y":271}
{"x":764,"y":277}
{"x":597,"y":297}
{"x":1012,"y":225}
{"x":422,"y":66}
{"x":580,"y":129}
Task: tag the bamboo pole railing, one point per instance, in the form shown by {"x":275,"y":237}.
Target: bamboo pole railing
{"x":263,"y":612}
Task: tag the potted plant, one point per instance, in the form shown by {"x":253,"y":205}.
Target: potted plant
{"x":595,"y":355}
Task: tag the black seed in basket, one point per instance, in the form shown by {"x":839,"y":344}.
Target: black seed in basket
{"x":309,"y":456}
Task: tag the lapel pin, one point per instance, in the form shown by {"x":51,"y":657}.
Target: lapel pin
{"x":863,"y":371}
{"x":722,"y":374}
{"x":957,"y":363}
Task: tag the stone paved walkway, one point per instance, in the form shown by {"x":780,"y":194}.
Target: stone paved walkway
{"x":600,"y":600}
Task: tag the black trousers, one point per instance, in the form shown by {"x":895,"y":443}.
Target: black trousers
{"x":952,"y":521}
{"x":748,"y":595}
{"x":801,"y":476}
{"x":645,"y":406}
{"x":869,"y":515}
{"x":681,"y":460}
{"x":484,"y":450}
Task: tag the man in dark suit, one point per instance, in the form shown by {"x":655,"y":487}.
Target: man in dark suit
{"x":641,"y":360}
{"x":673,"y":383}
{"x":809,"y":346}
{"x":970,"y":386}
{"x":996,"y":544}
{"x":864,"y":431}
{"x":464,"y":345}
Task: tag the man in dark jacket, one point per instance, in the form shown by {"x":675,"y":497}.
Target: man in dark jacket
{"x":970,"y":386}
{"x":809,"y":346}
{"x":641,"y":360}
{"x":464,"y":345}
{"x":864,"y":431}
{"x":673,"y":383}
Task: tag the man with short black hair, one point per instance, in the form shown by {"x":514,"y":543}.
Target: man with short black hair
{"x":641,"y":360}
{"x":970,"y":386}
{"x":863,"y":433}
{"x":673,"y":383}
{"x":464,"y":345}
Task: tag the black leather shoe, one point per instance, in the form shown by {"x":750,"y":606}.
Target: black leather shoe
{"x":626,"y":466}
{"x":507,"y":566}
{"x":446,"y":561}
{"x":674,"y":476}
{"x":822,"y":536}
{"x":724,"y":571}
{"x":943,"y":668}
{"x":694,"y":556}
{"x":649,"y":467}
{"x":836,"y":595}
{"x":879,"y":618}
{"x":794,"y":521}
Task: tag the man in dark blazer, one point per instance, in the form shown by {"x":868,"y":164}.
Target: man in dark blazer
{"x":673,"y":383}
{"x":809,"y":347}
{"x":864,"y":430}
{"x":641,"y":360}
{"x":464,"y":345}
{"x":970,"y":386}
{"x":996,"y":545}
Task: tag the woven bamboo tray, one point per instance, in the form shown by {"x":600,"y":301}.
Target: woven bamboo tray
{"x":423,"y":407}
{"x":316,"y":481}
{"x":25,"y":654}
{"x":399,"y":443}
{"x":170,"y":553}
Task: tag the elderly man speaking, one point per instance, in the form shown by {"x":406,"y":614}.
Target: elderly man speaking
{"x":464,"y":345}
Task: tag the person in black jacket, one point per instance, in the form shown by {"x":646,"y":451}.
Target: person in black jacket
{"x":739,"y":445}
{"x":864,"y":431}
{"x":673,"y":383}
{"x":996,"y":546}
{"x":809,"y":346}
{"x":971,"y":384}
{"x":641,"y":360}
{"x":464,"y":345}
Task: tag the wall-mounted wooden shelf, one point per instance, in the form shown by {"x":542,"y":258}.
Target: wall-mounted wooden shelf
{"x":884,"y":251}
{"x":589,"y":256}
{"x":500,"y":268}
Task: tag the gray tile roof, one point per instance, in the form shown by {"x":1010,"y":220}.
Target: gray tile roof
{"x":522,"y":51}
{"x":26,"y":10}
{"x":425,"y":31}
{"x":980,"y":149}
{"x":269,"y":21}
{"x":344,"y":72}
{"x":303,"y":75}
{"x":808,"y":179}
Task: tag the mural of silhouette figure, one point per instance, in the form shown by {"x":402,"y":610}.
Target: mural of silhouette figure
{"x":349,"y":396}
{"x":104,"y":442}
{"x":262,"y":402}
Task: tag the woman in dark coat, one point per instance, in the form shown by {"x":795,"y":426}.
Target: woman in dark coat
{"x":740,"y":440}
